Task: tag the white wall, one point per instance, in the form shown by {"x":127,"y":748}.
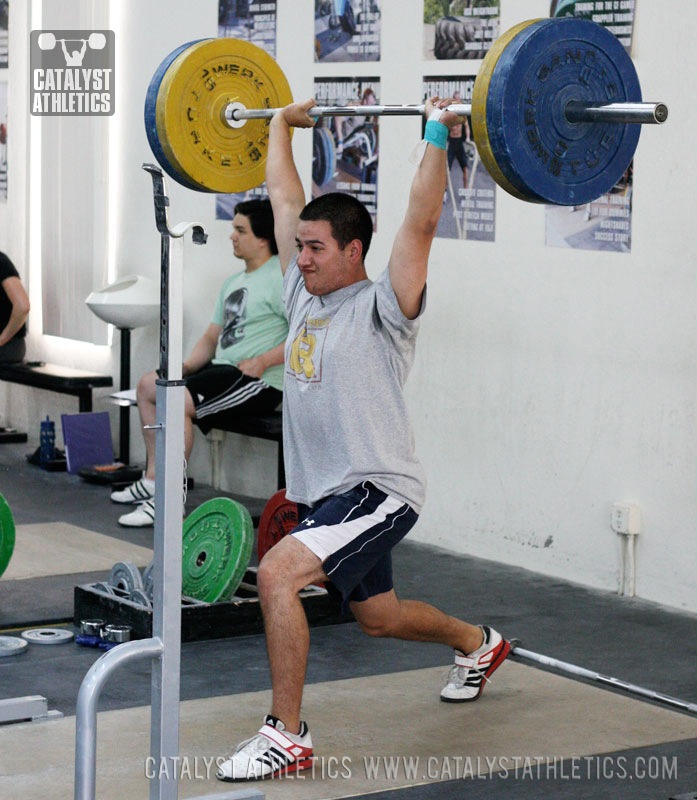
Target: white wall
{"x":548,"y":383}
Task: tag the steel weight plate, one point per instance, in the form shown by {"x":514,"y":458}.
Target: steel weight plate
{"x":480,"y":128}
{"x":278,"y":519}
{"x":48,"y":636}
{"x":7,"y":534}
{"x":147,"y":581}
{"x":216,"y":547}
{"x":11,"y":646}
{"x":191,"y":101}
{"x":126,"y":576}
{"x":540,"y":71}
{"x":138,"y":596}
{"x":151,"y":119}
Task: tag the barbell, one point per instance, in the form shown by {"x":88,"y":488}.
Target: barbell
{"x":556,"y":112}
{"x":47,"y":41}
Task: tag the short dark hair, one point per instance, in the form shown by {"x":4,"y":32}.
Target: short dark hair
{"x":260,"y":218}
{"x":347,"y":217}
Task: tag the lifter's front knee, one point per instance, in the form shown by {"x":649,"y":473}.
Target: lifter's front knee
{"x":380,"y":628}
{"x":275,"y":578}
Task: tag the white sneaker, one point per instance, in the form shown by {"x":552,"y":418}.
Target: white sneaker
{"x":468,"y":674}
{"x":141,"y":517}
{"x":144,"y":489}
{"x":269,"y":754}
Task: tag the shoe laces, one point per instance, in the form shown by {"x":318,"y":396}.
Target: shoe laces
{"x":458,"y":675}
{"x":255,"y":745}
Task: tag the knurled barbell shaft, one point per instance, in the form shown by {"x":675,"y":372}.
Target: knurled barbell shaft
{"x":576,"y":111}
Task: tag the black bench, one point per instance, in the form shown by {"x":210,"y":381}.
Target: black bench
{"x":269,"y":427}
{"x":55,"y":378}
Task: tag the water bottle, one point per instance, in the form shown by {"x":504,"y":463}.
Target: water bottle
{"x":48,"y":441}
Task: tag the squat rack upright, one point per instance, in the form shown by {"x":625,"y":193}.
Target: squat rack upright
{"x":164,"y":647}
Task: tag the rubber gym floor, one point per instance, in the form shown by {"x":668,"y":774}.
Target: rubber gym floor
{"x":378,"y":727}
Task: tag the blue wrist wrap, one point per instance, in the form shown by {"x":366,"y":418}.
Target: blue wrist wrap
{"x":437,"y":134}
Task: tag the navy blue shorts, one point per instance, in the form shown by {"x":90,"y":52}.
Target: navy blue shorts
{"x":353,"y":535}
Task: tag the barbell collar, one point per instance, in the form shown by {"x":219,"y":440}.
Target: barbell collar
{"x":622,"y":113}
{"x":575,"y":111}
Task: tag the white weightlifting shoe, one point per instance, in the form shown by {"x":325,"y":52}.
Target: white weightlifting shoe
{"x":141,"y":517}
{"x":144,"y":489}
{"x":271,"y":753}
{"x":469,"y":672}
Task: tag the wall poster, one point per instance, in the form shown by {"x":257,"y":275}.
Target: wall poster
{"x":469,"y":205}
{"x":347,"y":30}
{"x":615,"y":15}
{"x":345,"y":149}
{"x":604,"y":224}
{"x":460,"y":28}
{"x":254,"y":22}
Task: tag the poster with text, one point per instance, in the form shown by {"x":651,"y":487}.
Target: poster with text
{"x":615,"y":15}
{"x":604,"y":224}
{"x":347,"y":30}
{"x":460,"y":28}
{"x":4,"y":39}
{"x":345,"y":149}
{"x":254,"y":22}
{"x":3,"y":142}
{"x":469,"y":205}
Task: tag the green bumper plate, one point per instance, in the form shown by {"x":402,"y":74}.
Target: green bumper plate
{"x":7,"y":534}
{"x":216,"y":548}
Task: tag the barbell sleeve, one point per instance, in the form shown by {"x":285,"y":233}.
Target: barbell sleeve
{"x":623,"y":113}
{"x":575,"y":111}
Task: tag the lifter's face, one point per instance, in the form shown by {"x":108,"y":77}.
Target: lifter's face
{"x":325,"y":266}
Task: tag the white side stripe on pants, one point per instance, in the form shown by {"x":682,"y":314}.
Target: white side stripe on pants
{"x":379,"y":533}
{"x":327,"y":539}
{"x":231,"y":400}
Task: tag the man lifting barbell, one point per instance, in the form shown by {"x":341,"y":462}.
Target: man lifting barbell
{"x":556,"y":112}
{"x":348,"y":444}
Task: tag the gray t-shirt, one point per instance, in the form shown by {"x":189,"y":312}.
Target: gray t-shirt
{"x":347,"y":357}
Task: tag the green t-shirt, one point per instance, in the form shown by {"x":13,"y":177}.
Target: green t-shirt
{"x":251,"y":312}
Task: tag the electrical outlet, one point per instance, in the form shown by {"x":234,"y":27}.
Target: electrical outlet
{"x":625,"y":518}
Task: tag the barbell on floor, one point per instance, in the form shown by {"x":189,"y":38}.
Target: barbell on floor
{"x":615,"y":683}
{"x":556,"y":112}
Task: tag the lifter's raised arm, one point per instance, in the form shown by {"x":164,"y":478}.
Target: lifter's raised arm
{"x":282,"y":179}
{"x":409,"y":259}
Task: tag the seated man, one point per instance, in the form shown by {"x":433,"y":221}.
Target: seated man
{"x":14,"y":309}
{"x":236,"y":366}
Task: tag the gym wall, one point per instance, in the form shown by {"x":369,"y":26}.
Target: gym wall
{"x":548,"y":384}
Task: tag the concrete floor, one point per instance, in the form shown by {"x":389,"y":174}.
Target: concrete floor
{"x":365,"y":698}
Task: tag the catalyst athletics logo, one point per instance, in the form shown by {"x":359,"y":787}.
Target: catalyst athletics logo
{"x":72,"y":73}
